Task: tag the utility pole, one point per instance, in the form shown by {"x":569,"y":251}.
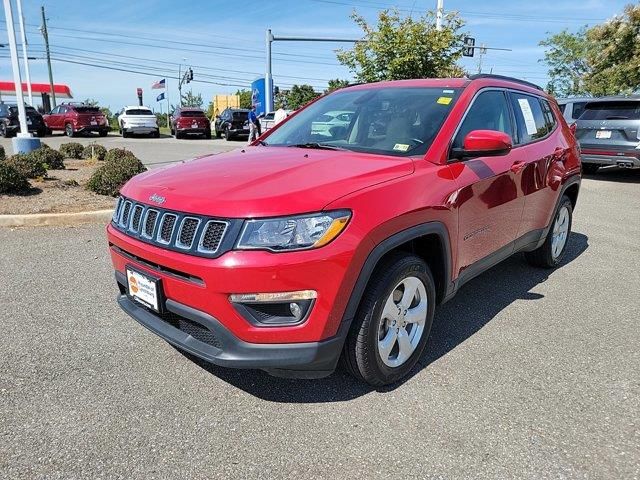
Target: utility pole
{"x":45,"y":34}
{"x":180,"y":85}
{"x":23,"y":37}
{"x":439,"y":11}
{"x":483,"y":51}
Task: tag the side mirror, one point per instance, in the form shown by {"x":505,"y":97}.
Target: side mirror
{"x":483,"y":143}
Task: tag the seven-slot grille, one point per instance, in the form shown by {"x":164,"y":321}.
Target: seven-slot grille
{"x":184,"y":232}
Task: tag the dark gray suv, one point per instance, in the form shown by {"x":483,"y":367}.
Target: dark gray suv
{"x":609,"y":133}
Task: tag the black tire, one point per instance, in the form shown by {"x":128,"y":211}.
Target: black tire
{"x":42,"y":132}
{"x":544,"y":256}
{"x":68,"y":130}
{"x":124,"y":133}
{"x":4,"y":133}
{"x":103,"y":133}
{"x":156,"y":134}
{"x":178,"y":134}
{"x":227,"y":136}
{"x":360,"y":355}
{"x":590,"y":168}
{"x":49,"y":131}
{"x":218,"y":134}
{"x":207,"y":134}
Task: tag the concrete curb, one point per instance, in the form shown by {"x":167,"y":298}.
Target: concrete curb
{"x":55,"y":219}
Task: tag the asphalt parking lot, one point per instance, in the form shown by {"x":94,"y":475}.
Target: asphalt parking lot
{"x":152,"y":151}
{"x":528,"y":374}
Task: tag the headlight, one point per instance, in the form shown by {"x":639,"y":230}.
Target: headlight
{"x":293,"y":233}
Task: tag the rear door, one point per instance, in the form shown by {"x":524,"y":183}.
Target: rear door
{"x":609,"y":127}
{"x":489,"y":198}
{"x":539,"y":148}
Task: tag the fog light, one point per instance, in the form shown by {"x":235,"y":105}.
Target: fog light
{"x":274,"y":309}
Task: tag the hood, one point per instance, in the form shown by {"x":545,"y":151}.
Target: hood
{"x":265,"y":181}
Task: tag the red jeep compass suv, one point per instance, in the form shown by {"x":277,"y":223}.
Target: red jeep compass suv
{"x":74,"y":118}
{"x":315,"y":244}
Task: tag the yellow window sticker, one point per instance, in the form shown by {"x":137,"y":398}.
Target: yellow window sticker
{"x":401,"y":146}
{"x":444,"y":100}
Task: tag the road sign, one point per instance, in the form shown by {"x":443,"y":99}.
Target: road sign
{"x":469,"y":43}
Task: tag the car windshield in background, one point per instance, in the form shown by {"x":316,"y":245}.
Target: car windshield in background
{"x":87,"y":109}
{"x":390,"y":121}
{"x":192,"y":113}
{"x":620,"y":110}
{"x":139,"y":111}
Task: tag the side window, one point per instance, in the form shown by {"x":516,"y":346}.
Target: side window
{"x":548,"y":115}
{"x":578,"y":108}
{"x":489,"y":111}
{"x":530,"y":119}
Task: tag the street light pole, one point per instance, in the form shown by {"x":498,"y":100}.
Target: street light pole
{"x":439,"y":11}
{"x":45,"y":34}
{"x":23,"y":36}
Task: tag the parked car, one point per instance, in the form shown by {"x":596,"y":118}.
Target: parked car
{"x":268,"y":120}
{"x":572,"y":108}
{"x":10,"y":125}
{"x":324,"y":124}
{"x":75,"y":118}
{"x":609,"y":133}
{"x":232,"y":123}
{"x":187,"y":121}
{"x":134,"y":120}
{"x":305,"y":247}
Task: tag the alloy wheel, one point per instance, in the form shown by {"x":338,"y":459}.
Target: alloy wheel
{"x":402,"y":322}
{"x":560,"y":232}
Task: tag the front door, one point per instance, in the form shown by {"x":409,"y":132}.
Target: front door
{"x":489,"y":198}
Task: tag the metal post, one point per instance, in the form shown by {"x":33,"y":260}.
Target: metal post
{"x":45,"y":34}
{"x":439,"y":11}
{"x":180,"y":84}
{"x":166,"y":90}
{"x":483,"y":50}
{"x":17,"y":80}
{"x":268,"y":78}
{"x":23,"y":36}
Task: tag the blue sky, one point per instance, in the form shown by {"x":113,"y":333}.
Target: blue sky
{"x":224,"y":41}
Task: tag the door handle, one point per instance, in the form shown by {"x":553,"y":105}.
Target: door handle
{"x":517,"y":166}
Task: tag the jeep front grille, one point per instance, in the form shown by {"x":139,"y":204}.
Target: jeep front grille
{"x":186,"y":233}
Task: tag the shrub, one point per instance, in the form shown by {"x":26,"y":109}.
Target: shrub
{"x":71,"y":150}
{"x":3,"y":155}
{"x":52,"y":159}
{"x":11,"y":180}
{"x":27,"y":165}
{"x":110,"y":177}
{"x":117,"y":154}
{"x":94,"y":151}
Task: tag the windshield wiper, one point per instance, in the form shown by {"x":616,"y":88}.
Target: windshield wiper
{"x":263,"y":143}
{"x":617,"y":117}
{"x":319,"y":146}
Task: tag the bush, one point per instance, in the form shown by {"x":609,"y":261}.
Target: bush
{"x":117,"y":154}
{"x":50,"y":158}
{"x":27,"y":165}
{"x":11,"y":180}
{"x":3,"y":155}
{"x":71,"y":150}
{"x":94,"y":151}
{"x":110,"y":177}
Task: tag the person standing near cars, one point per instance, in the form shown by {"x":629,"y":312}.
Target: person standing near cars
{"x":254,"y":127}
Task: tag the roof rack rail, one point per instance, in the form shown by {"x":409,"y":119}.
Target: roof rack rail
{"x":504,"y":77}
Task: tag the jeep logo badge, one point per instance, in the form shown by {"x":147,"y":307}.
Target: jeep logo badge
{"x":157,"y":198}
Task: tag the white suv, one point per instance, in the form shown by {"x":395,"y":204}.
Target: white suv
{"x":138,"y":120}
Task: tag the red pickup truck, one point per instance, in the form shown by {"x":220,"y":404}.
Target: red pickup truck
{"x":318,"y":244}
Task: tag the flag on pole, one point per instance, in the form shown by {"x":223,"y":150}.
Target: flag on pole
{"x":159,"y":84}
{"x":160,"y":97}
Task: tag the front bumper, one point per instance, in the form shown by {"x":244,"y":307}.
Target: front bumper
{"x":204,"y":336}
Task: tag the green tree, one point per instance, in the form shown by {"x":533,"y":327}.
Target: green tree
{"x":335,"y":84}
{"x":298,"y":96}
{"x":404,"y":47}
{"x":566,"y":55}
{"x":189,"y":99}
{"x":245,"y":98}
{"x":614,"y":54}
{"x":92,"y":102}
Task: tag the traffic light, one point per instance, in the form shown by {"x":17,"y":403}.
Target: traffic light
{"x":468,"y":50}
{"x":189,"y":75}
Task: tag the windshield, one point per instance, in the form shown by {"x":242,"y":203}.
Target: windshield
{"x":391,"y":121}
{"x":612,"y":111}
{"x":138,"y":111}
{"x":240,"y":115}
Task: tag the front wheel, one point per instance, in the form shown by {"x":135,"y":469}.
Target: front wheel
{"x":550,"y":254}
{"x":68,"y":130}
{"x":4,"y":133}
{"x":391,"y":327}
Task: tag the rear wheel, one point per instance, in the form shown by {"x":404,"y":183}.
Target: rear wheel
{"x":590,"y":168}
{"x":218,"y":134}
{"x":156,"y":134}
{"x":550,"y":254}
{"x":227,"y":135}
{"x":207,"y":134}
{"x":391,"y":327}
{"x":68,"y":130}
{"x":3,"y":130}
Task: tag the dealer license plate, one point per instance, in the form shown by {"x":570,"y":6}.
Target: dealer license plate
{"x":144,"y":289}
{"x":194,"y":125}
{"x":93,"y":122}
{"x":603,"y":134}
